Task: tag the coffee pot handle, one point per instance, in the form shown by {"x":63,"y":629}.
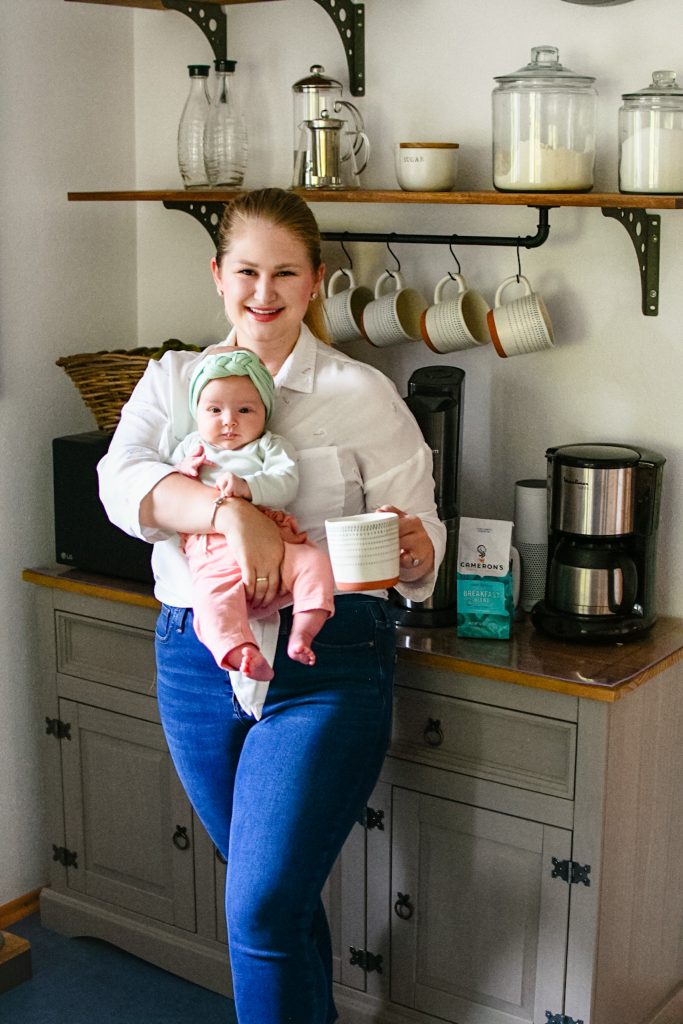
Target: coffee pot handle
{"x":629,"y":585}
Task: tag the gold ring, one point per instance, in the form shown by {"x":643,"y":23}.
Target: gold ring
{"x":261,"y":579}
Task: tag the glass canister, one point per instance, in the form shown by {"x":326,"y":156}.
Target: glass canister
{"x":191,"y":128}
{"x":225,"y":135}
{"x":544,"y":127}
{"x":651,"y":137}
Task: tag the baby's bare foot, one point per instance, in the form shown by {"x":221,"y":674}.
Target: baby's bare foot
{"x":299,"y":649}
{"x":250,"y":662}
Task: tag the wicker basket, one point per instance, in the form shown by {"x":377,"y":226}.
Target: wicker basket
{"x":106,"y":379}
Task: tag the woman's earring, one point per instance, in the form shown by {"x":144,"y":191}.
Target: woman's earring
{"x":314,"y":295}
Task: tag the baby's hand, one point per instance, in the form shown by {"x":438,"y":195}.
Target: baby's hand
{"x":232,"y":486}
{"x":192,"y":463}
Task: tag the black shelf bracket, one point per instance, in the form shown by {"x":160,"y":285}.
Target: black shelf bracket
{"x":209,"y":216}
{"x":349,"y":20}
{"x":644,"y":230}
{"x":211,"y":20}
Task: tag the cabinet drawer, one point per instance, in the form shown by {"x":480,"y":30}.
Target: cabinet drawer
{"x":529,"y":751}
{"x":114,"y":653}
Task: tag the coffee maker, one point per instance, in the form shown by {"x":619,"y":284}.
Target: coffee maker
{"x":603,"y":516}
{"x":435,"y":398}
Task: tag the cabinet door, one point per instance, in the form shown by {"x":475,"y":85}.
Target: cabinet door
{"x":479,"y":926}
{"x":128,"y":824}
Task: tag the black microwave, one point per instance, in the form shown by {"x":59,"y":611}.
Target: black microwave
{"x":84,"y":537}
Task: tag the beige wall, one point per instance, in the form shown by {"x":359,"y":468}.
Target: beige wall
{"x":67,"y":284}
{"x":93,"y":98}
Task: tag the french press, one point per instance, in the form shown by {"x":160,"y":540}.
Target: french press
{"x":319,"y":98}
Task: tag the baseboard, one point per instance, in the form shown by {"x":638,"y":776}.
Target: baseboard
{"x":19,"y":908}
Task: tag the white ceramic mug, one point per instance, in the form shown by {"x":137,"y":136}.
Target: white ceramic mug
{"x":522,"y":325}
{"x":343,"y":308}
{"x":426,"y":166}
{"x":364,"y":550}
{"x":393,"y":317}
{"x":455,"y":324}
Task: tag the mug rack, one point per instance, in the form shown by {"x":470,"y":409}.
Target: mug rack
{"x":209,"y":215}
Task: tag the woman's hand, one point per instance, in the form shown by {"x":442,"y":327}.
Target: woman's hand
{"x":256,"y":546}
{"x":417,"y":550}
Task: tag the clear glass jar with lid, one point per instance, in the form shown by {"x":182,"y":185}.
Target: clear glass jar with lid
{"x":651,"y":137}
{"x":544,"y":127}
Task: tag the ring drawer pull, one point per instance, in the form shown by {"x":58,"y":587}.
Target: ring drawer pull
{"x":403,"y":908}
{"x":181,"y":840}
{"x":433,"y":733}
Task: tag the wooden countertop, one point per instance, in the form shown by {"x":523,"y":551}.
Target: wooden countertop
{"x":603,"y":672}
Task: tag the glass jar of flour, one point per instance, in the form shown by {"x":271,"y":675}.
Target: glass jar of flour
{"x":651,"y":137}
{"x":544,"y":127}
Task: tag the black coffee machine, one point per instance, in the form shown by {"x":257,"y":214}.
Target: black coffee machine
{"x":435,"y":398}
{"x":603,"y":515}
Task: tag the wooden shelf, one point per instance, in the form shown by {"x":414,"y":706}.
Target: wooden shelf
{"x":609,"y":200}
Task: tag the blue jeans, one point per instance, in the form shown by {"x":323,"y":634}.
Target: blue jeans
{"x":278,"y":797}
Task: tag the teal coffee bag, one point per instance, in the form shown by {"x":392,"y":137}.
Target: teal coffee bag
{"x":485,"y":592}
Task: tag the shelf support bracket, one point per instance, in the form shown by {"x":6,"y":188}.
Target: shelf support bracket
{"x":349,"y":20}
{"x":211,"y":20}
{"x":644,"y":230}
{"x":208,"y":214}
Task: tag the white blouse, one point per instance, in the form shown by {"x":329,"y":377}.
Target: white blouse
{"x":358,"y":447}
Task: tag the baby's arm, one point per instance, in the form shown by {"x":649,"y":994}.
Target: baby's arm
{"x":190,"y":463}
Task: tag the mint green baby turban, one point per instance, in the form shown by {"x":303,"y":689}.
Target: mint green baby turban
{"x":240,"y":363}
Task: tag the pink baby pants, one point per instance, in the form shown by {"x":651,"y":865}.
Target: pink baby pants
{"x":221,"y":610}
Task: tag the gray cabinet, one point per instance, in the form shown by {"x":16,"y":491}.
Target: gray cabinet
{"x":519,"y":862}
{"x":130,"y":864}
{"x":495,"y":893}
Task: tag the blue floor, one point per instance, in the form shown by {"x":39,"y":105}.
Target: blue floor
{"x":87,"y":981}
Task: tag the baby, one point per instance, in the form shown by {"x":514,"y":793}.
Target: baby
{"x":231,"y":397}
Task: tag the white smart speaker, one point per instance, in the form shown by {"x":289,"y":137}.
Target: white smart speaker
{"x":531,"y":539}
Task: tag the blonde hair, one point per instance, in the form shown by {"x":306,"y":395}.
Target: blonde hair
{"x":286,"y":210}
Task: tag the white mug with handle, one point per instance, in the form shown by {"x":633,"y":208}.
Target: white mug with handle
{"x":455,"y":324}
{"x":393,"y":317}
{"x":522,"y":325}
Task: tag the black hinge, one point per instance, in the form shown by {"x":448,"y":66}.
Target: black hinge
{"x":67,"y":858}
{"x":374,"y":819}
{"x":570,"y":871}
{"x":57,"y":728}
{"x":365,"y":959}
{"x":560,"y":1018}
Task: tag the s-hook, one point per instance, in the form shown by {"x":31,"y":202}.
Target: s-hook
{"x":398,"y":262}
{"x":457,"y":262}
{"x":346,"y":270}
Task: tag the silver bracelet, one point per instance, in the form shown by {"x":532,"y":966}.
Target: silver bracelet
{"x":220,"y":500}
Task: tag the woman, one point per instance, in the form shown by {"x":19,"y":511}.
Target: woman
{"x":279,"y":796}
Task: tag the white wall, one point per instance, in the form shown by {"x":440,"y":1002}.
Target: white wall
{"x":67,"y":284}
{"x":91,"y":99}
{"x":430,"y":64}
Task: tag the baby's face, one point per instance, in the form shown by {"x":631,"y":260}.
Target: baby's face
{"x":230,"y":413}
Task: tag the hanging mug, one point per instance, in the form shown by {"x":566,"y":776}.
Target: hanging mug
{"x":344,"y":308}
{"x":455,"y":324}
{"x":393,"y":317}
{"x":521,"y":325}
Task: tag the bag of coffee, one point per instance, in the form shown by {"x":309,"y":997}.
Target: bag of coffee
{"x":485,"y":591}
